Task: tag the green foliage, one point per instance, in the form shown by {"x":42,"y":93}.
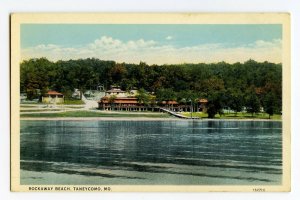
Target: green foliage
{"x":187,"y":96}
{"x":117,"y":73}
{"x":112,"y":99}
{"x":235,"y":99}
{"x":214,"y":90}
{"x":251,"y":101}
{"x":36,"y":75}
{"x":235,"y":85}
{"x":215,"y":103}
{"x":143,"y":97}
{"x":270,"y":103}
{"x":165,"y":94}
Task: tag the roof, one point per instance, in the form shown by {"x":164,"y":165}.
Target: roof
{"x":115,"y":90}
{"x":169,"y":102}
{"x":203,"y":101}
{"x":51,"y":92}
{"x":120,"y":100}
{"x":126,"y":101}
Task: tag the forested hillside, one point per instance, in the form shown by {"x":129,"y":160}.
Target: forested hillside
{"x":250,"y":84}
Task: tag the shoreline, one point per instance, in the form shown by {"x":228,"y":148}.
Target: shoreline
{"x":133,"y":119}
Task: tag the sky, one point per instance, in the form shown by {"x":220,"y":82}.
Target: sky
{"x":153,"y":44}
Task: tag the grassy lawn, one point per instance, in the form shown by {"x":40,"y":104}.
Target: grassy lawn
{"x":29,"y":106}
{"x":66,"y":102}
{"x":233,"y":116}
{"x":151,"y":114}
{"x":73,"y":102}
{"x":40,"y":110}
{"x":74,"y":107}
{"x":30,"y":103}
{"x":195,"y":114}
{"x":94,"y":114}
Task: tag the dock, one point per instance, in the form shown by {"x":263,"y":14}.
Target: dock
{"x":177,"y":114}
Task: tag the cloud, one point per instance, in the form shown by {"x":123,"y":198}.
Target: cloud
{"x":109,"y":43}
{"x":106,"y":43}
{"x":169,"y":37}
{"x":153,"y":52}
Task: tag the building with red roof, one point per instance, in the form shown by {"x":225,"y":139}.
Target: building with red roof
{"x":53,"y":97}
{"x":117,"y":99}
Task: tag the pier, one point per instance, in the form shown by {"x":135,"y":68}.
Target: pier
{"x":177,"y":114}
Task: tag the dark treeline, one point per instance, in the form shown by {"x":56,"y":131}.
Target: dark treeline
{"x":249,"y":85}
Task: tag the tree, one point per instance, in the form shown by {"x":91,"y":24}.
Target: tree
{"x":118,"y":72}
{"x":270,"y":103}
{"x":212,"y":85}
{"x":181,"y":82}
{"x":251,"y":101}
{"x":215,"y":103}
{"x":165,"y":94}
{"x":272,"y":95}
{"x":188,"y":97}
{"x":36,"y":75}
{"x":235,"y":100}
{"x":111,"y":100}
{"x":214,"y":90}
{"x":143,"y":97}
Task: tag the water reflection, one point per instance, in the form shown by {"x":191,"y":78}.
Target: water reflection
{"x":251,"y":149}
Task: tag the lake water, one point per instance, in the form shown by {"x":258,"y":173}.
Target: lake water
{"x":151,"y":152}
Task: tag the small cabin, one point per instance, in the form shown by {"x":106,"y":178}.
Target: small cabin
{"x":53,"y":97}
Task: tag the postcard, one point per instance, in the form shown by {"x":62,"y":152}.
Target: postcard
{"x":142,"y":102}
